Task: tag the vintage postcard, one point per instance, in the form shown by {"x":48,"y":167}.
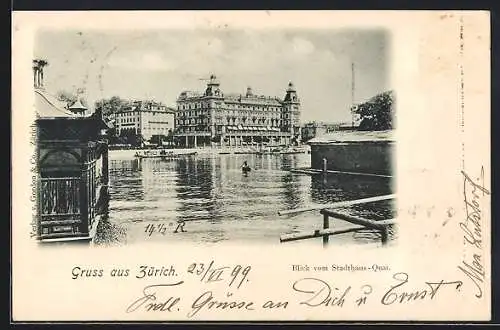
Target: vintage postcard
{"x":251,"y":166}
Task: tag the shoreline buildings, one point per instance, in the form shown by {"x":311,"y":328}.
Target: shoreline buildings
{"x":212,"y":118}
{"x":144,"y":118}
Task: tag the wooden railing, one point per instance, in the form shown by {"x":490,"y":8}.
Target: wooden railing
{"x":89,"y":185}
{"x":60,"y":196}
{"x":67,"y":205}
{"x":59,"y":207}
{"x":328,"y":212}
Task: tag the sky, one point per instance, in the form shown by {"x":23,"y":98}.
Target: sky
{"x":160,"y":64}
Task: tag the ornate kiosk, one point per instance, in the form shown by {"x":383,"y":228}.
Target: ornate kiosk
{"x":72,"y":154}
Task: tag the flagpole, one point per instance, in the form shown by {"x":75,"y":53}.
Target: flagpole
{"x":352,"y":93}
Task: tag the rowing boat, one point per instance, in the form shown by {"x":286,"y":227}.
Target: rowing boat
{"x":168,"y":155}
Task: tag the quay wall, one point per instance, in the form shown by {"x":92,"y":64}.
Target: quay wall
{"x":374,"y":157}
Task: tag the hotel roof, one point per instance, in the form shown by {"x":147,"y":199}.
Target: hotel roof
{"x":233,"y":98}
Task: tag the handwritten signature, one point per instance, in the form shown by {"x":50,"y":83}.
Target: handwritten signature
{"x":320,"y":293}
{"x":474,"y":191}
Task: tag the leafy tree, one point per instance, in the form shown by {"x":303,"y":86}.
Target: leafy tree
{"x":69,"y":98}
{"x":377,"y":114}
{"x":129,"y":136}
{"x":158,"y":139}
{"x":113,"y":137}
{"x":111,"y":105}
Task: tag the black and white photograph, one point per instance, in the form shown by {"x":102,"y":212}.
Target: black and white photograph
{"x":214,"y":135}
{"x":260,"y":166}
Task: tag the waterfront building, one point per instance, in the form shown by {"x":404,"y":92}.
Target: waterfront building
{"x":72,"y":168}
{"x":144,"y":118}
{"x":213,"y":118}
{"x":365,"y":152}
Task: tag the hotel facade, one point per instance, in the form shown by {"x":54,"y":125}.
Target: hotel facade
{"x":212,"y":118}
{"x":145,"y":118}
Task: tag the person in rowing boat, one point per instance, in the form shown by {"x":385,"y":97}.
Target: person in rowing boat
{"x":245,"y":168}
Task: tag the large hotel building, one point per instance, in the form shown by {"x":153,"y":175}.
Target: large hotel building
{"x":145,"y":118}
{"x":214,"y":119}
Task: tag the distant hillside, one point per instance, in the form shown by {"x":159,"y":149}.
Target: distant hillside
{"x":378,"y":113}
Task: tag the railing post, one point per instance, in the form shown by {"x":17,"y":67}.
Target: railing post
{"x":105,"y":165}
{"x":385,"y":234}
{"x":84,"y":203}
{"x":326,"y":225}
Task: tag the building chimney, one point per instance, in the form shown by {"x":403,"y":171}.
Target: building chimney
{"x":38,"y":66}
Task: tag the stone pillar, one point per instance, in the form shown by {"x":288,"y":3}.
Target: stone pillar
{"x":187,"y":141}
{"x":195,"y":142}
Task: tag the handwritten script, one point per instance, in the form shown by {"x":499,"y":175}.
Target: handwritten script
{"x":472,"y":266}
{"x":308,"y":292}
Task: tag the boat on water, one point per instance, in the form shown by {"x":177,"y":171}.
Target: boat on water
{"x":268,"y":151}
{"x":163,"y":154}
{"x":281,"y":151}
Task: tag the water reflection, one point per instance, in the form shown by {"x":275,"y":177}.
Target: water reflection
{"x":218,"y":202}
{"x":334,"y":188}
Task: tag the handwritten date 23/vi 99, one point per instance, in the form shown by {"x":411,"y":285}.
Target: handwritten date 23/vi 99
{"x":235,"y":276}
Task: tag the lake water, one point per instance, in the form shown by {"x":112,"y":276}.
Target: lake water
{"x":219,"y":203}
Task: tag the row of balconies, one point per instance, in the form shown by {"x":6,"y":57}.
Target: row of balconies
{"x":238,"y":107}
